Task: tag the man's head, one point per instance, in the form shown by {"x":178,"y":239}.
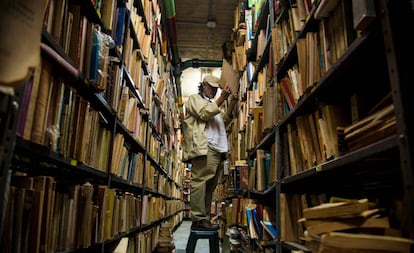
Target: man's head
{"x":209,"y":86}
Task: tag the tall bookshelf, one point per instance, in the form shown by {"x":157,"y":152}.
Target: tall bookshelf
{"x":332,"y":80}
{"x":96,"y":156}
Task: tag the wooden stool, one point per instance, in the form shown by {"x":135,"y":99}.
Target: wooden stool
{"x":212,"y":237}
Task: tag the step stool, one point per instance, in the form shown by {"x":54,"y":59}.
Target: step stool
{"x":212,"y":237}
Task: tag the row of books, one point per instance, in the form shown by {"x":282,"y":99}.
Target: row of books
{"x":51,"y":215}
{"x":339,"y":224}
{"x":86,"y":88}
{"x":159,"y":237}
{"x":258,"y":218}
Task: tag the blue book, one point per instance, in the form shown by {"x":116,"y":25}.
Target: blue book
{"x":269,"y":228}
{"x":93,"y":74}
{"x":256,"y":223}
{"x":120,"y":26}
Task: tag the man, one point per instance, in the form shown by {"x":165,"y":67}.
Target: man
{"x":205,"y":146}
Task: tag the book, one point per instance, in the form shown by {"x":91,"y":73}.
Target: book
{"x":120,"y":24}
{"x":367,"y":219}
{"x":256,"y":222}
{"x":24,"y":105}
{"x":350,"y":208}
{"x":31,"y":107}
{"x":250,"y":223}
{"x":76,"y":32}
{"x":269,"y":229}
{"x":288,"y":93}
{"x":122,"y":245}
{"x":229,"y":76}
{"x":361,"y":242}
{"x":37,"y":133}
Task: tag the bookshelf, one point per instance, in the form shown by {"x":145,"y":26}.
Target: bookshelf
{"x":334,"y":89}
{"x":92,"y":153}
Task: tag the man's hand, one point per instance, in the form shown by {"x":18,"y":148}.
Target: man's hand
{"x":225,"y":92}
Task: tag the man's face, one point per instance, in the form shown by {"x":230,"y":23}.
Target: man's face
{"x":209,"y":91}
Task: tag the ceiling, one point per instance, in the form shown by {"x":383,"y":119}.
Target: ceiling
{"x":194,"y":39}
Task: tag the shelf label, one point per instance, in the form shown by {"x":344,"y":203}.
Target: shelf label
{"x":318,"y":168}
{"x":73,"y":162}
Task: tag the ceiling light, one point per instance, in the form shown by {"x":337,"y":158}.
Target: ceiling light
{"x":211,"y":24}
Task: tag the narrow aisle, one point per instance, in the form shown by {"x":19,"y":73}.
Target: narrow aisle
{"x":181,"y":235}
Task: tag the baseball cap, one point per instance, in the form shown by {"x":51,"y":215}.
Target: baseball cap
{"x":212,"y":81}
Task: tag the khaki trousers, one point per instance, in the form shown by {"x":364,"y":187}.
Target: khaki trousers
{"x":204,"y":175}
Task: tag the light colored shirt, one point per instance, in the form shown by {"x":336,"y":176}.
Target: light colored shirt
{"x":216,"y":134}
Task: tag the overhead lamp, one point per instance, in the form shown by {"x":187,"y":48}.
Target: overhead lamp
{"x":211,"y":24}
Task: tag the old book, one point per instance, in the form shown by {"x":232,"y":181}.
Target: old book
{"x":28,"y":216}
{"x":82,"y":43}
{"x":31,"y":107}
{"x":368,"y":242}
{"x":76,"y":33}
{"x":89,"y":40}
{"x":269,"y":229}
{"x":250,"y":223}
{"x":108,"y":8}
{"x":244,"y":177}
{"x":316,"y":145}
{"x":38,"y":130}
{"x":120,"y":23}
{"x":87,"y":127}
{"x":350,"y":208}
{"x":326,"y":143}
{"x":288,"y":92}
{"x":305,"y":141}
{"x":122,"y":246}
{"x":47,"y":216}
{"x":67,"y":32}
{"x":291,"y":137}
{"x":8,"y":227}
{"x":109,"y":213}
{"x":59,"y":20}
{"x":256,"y":221}
{"x":261,"y":181}
{"x":258,"y":124}
{"x":335,"y":116}
{"x":65,"y":120}
{"x":302,"y":62}
{"x":230,"y":77}
{"x":24,"y":104}
{"x":269,"y":117}
{"x":288,"y":219}
{"x":52,"y":120}
{"x":18,"y":224}
{"x":367,"y":219}
{"x":85,"y":207}
{"x":368,"y":123}
{"x":48,"y":15}
{"x":102,"y":202}
{"x":72,"y":127}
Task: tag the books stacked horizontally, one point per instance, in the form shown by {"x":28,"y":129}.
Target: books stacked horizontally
{"x":165,"y":240}
{"x":351,"y":225}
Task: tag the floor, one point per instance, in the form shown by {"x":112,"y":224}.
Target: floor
{"x":180,"y":236}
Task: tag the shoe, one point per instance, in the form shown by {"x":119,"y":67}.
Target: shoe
{"x":233,"y":233}
{"x":204,"y":225}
